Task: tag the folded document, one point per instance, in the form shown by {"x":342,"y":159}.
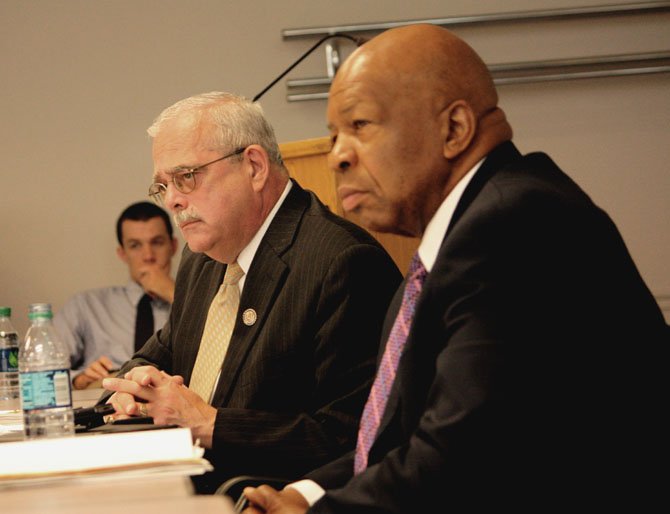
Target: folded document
{"x":169,"y":450}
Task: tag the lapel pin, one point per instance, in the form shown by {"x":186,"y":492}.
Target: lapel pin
{"x":249,"y":317}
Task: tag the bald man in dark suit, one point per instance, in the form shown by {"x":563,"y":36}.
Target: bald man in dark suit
{"x":532,"y":354}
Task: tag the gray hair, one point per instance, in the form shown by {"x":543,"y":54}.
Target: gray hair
{"x":239,"y":121}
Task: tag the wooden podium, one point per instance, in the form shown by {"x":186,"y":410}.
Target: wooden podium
{"x":307,"y":162}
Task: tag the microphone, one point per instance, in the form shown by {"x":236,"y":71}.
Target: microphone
{"x":358,"y":40}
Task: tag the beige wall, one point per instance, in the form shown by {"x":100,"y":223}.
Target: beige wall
{"x":80,"y":81}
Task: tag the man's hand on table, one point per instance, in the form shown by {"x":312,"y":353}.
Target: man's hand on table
{"x":146,"y":391}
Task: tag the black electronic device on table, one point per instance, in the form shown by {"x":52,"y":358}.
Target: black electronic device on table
{"x":91,"y":420}
{"x":87,"y":418}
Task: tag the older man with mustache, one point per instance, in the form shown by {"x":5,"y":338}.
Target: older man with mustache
{"x":268,"y":354}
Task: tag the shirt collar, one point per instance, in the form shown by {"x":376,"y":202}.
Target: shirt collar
{"x":135,"y":294}
{"x":437,"y":226}
{"x":247,"y":254}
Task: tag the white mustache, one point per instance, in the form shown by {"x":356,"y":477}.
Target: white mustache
{"x":185,"y":216}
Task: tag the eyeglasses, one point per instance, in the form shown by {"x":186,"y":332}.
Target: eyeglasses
{"x":184,"y":179}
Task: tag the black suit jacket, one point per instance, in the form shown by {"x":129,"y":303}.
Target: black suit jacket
{"x":293,"y":384}
{"x":530,"y":370}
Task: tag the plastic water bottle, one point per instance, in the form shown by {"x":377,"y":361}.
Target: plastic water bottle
{"x":9,"y":363}
{"x":44,"y":372}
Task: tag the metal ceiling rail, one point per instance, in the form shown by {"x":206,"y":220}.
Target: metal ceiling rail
{"x":514,"y":16}
{"x":511,"y":73}
{"x":531,"y":71}
{"x":581,"y":68}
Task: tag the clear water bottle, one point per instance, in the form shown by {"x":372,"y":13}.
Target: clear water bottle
{"x":10,"y":398}
{"x":44,"y":372}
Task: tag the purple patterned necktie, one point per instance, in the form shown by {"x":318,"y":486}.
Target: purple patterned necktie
{"x":374,"y":407}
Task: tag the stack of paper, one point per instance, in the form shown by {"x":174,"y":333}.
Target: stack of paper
{"x":142,"y":453}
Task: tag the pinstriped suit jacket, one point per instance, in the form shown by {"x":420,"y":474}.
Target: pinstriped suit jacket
{"x":293,"y":384}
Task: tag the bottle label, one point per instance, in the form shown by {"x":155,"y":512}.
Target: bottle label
{"x":9,"y":360}
{"x":45,"y":389}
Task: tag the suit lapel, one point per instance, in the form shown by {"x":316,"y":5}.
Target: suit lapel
{"x":266,"y":276}
{"x":497,"y":159}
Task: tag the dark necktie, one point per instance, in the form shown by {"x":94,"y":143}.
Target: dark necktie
{"x":144,"y":322}
{"x":379,"y":394}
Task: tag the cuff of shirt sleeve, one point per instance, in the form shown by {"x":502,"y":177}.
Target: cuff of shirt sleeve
{"x":311,"y":491}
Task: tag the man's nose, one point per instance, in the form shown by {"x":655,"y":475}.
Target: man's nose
{"x":342,"y":156}
{"x":148,"y":253}
{"x":174,"y":200}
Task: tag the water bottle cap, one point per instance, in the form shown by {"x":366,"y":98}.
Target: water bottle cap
{"x":39,"y":310}
{"x":5,"y":312}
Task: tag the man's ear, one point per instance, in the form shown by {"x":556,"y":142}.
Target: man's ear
{"x":121,"y":254}
{"x":260,"y":166}
{"x":459,"y":125}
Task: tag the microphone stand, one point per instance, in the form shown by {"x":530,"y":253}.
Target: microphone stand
{"x":316,"y":45}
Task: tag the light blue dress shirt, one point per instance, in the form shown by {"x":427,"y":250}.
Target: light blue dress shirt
{"x":102,"y":322}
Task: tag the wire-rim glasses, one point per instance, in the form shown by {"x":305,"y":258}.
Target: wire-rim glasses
{"x":184,"y":178}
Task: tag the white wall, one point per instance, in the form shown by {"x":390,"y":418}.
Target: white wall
{"x":80,"y":81}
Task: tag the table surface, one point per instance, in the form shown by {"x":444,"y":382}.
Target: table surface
{"x":167,"y":495}
{"x":85,"y":397}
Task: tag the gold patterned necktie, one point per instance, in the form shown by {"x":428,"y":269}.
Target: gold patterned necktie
{"x":217,"y":332}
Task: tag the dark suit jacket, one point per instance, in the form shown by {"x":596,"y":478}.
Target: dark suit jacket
{"x":531,"y":365}
{"x":293,"y":384}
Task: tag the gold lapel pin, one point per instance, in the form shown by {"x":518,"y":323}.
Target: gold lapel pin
{"x":249,"y":317}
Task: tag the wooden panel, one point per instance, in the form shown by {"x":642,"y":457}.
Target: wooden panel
{"x":307,"y":162}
